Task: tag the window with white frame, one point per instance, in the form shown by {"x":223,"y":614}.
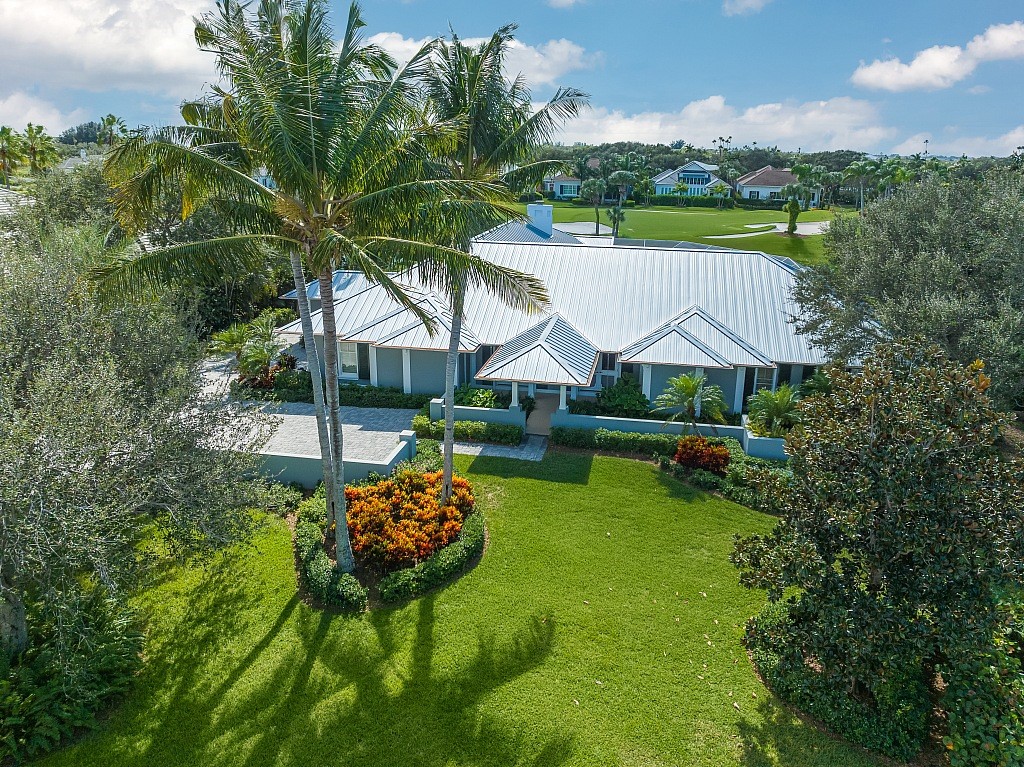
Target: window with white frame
{"x":763,"y":378}
{"x":608,"y":360}
{"x":754,"y":195}
{"x":348,"y":360}
{"x":774,"y":195}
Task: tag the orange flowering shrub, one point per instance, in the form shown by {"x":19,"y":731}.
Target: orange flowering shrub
{"x":698,"y":452}
{"x":400,"y":522}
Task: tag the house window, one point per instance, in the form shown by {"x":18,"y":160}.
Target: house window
{"x":607,"y":381}
{"x":753,"y":195}
{"x":633,"y":370}
{"x":763,"y":378}
{"x":348,"y":360}
{"x":608,"y":360}
{"x":785,"y":373}
{"x":774,"y":195}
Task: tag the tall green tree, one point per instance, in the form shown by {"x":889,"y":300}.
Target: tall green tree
{"x":720,"y":190}
{"x":621,"y":180}
{"x":497,"y":136}
{"x":40,"y":149}
{"x":681,"y":189}
{"x":955,"y":249}
{"x":334,"y":125}
{"x":592,"y":190}
{"x":902,"y":532}
{"x":112,"y":129}
{"x":12,"y":152}
{"x":861,"y":171}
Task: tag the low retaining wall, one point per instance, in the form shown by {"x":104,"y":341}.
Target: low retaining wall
{"x":514,"y":416}
{"x":307,"y":471}
{"x":757,"y":447}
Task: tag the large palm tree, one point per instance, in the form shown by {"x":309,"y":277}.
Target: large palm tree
{"x":498,"y":133}
{"x":112,"y":129}
{"x":332,"y":124}
{"x":12,"y":152}
{"x":40,"y":148}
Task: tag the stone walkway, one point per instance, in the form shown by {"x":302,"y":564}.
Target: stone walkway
{"x":531,"y":450}
{"x":369,"y":434}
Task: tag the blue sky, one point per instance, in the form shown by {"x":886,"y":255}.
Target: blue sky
{"x":877,"y":76}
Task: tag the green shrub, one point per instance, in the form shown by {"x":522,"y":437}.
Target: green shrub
{"x":293,"y":386}
{"x":47,"y":695}
{"x":357,"y":395}
{"x":428,"y":458}
{"x":319,"y":575}
{"x":615,"y":441}
{"x":474,"y":396}
{"x":705,"y":480}
{"x":470,"y":431}
{"x":625,"y":399}
{"x":439,"y":568}
{"x":748,"y":204}
{"x":893,"y":720}
{"x":697,"y":201}
{"x":580,"y":438}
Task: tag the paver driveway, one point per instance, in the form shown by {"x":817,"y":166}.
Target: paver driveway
{"x":370,"y":434}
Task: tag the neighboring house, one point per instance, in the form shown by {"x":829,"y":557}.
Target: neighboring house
{"x":83,"y":158}
{"x":563,"y":187}
{"x":767,"y":184}
{"x":652,"y":313}
{"x":699,"y":178}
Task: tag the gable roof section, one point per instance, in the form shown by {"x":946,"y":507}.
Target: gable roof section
{"x":346,"y":284}
{"x":768,"y":176}
{"x":551,"y":352}
{"x":695,"y":339}
{"x":10,"y":201}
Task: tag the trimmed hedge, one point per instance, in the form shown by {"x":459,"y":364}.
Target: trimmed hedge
{"x":470,"y":431}
{"x":748,"y":204}
{"x":357,"y":395}
{"x":321,"y":578}
{"x":439,"y":568}
{"x":896,"y":725}
{"x":615,"y":441}
{"x":697,"y":201}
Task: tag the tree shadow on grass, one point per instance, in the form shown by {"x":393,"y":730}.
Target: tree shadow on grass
{"x":782,"y":739}
{"x":679,"y":489}
{"x":561,"y":467}
{"x":317,"y":688}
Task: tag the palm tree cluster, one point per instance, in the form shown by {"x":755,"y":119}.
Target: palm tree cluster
{"x":880,"y":177}
{"x":369,"y":166}
{"x":35,"y":147}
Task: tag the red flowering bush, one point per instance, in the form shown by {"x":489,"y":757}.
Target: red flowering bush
{"x":698,"y":452}
{"x":400,"y":522}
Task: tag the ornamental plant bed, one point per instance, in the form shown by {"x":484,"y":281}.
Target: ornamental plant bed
{"x":404,"y":540}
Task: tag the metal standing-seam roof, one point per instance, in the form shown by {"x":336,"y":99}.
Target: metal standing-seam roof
{"x":346,"y":283}
{"x":694,"y":338}
{"x":551,"y":352}
{"x":10,"y":201}
{"x":522,"y":231}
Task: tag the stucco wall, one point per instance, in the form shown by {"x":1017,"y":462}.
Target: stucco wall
{"x":427,"y":369}
{"x":389,"y":367}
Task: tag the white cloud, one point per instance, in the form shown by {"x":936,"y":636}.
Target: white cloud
{"x":544,"y":64}
{"x":20,"y":108}
{"x":943,"y":65}
{"x":978,"y":90}
{"x":972,"y":146}
{"x":563,"y":3}
{"x":838,"y":123}
{"x":739,"y":7}
{"x":143,"y":45}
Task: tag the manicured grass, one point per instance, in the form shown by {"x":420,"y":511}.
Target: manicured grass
{"x":602,"y":627}
{"x":696,"y":224}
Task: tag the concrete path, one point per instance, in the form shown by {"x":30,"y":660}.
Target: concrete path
{"x":810,"y":227}
{"x":581,"y":227}
{"x":539,"y":421}
{"x":370,"y":434}
{"x":532,"y":449}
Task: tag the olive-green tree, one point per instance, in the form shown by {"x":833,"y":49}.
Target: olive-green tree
{"x":902,"y":531}
{"x":592,"y":190}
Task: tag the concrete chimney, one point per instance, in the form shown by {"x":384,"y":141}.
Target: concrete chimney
{"x":541,"y":217}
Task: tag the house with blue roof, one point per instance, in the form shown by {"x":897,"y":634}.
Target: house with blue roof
{"x":699,"y":178}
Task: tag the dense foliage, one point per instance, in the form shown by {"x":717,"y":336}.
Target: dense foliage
{"x":903,"y":530}
{"x":624,"y":399}
{"x":943,"y":259}
{"x":629,"y":443}
{"x":471,"y":431}
{"x":697,"y":452}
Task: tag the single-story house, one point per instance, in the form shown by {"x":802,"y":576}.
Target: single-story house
{"x":563,"y":187}
{"x":649,"y":312}
{"x":699,"y":178}
{"x":767,"y":183}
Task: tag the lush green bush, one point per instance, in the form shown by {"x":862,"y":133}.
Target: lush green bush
{"x":357,"y":395}
{"x":470,"y":431}
{"x":474,"y":396}
{"x":319,"y":575}
{"x":439,"y":568}
{"x":47,"y":695}
{"x":748,"y":204}
{"x":293,"y":386}
{"x":624,"y":399}
{"x":742,"y":481}
{"x":428,"y":458}
{"x":615,"y":441}
{"x":893,"y":719}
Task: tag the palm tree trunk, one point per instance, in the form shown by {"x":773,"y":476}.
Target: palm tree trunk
{"x":597,"y":220}
{"x":457,"y":305}
{"x":313,"y":363}
{"x":335,"y":503}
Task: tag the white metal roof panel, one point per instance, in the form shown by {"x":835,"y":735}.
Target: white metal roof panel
{"x":551,"y":352}
{"x":521,"y":231}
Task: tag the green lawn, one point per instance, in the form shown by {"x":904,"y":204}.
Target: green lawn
{"x":696,"y":224}
{"x":602,"y":627}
